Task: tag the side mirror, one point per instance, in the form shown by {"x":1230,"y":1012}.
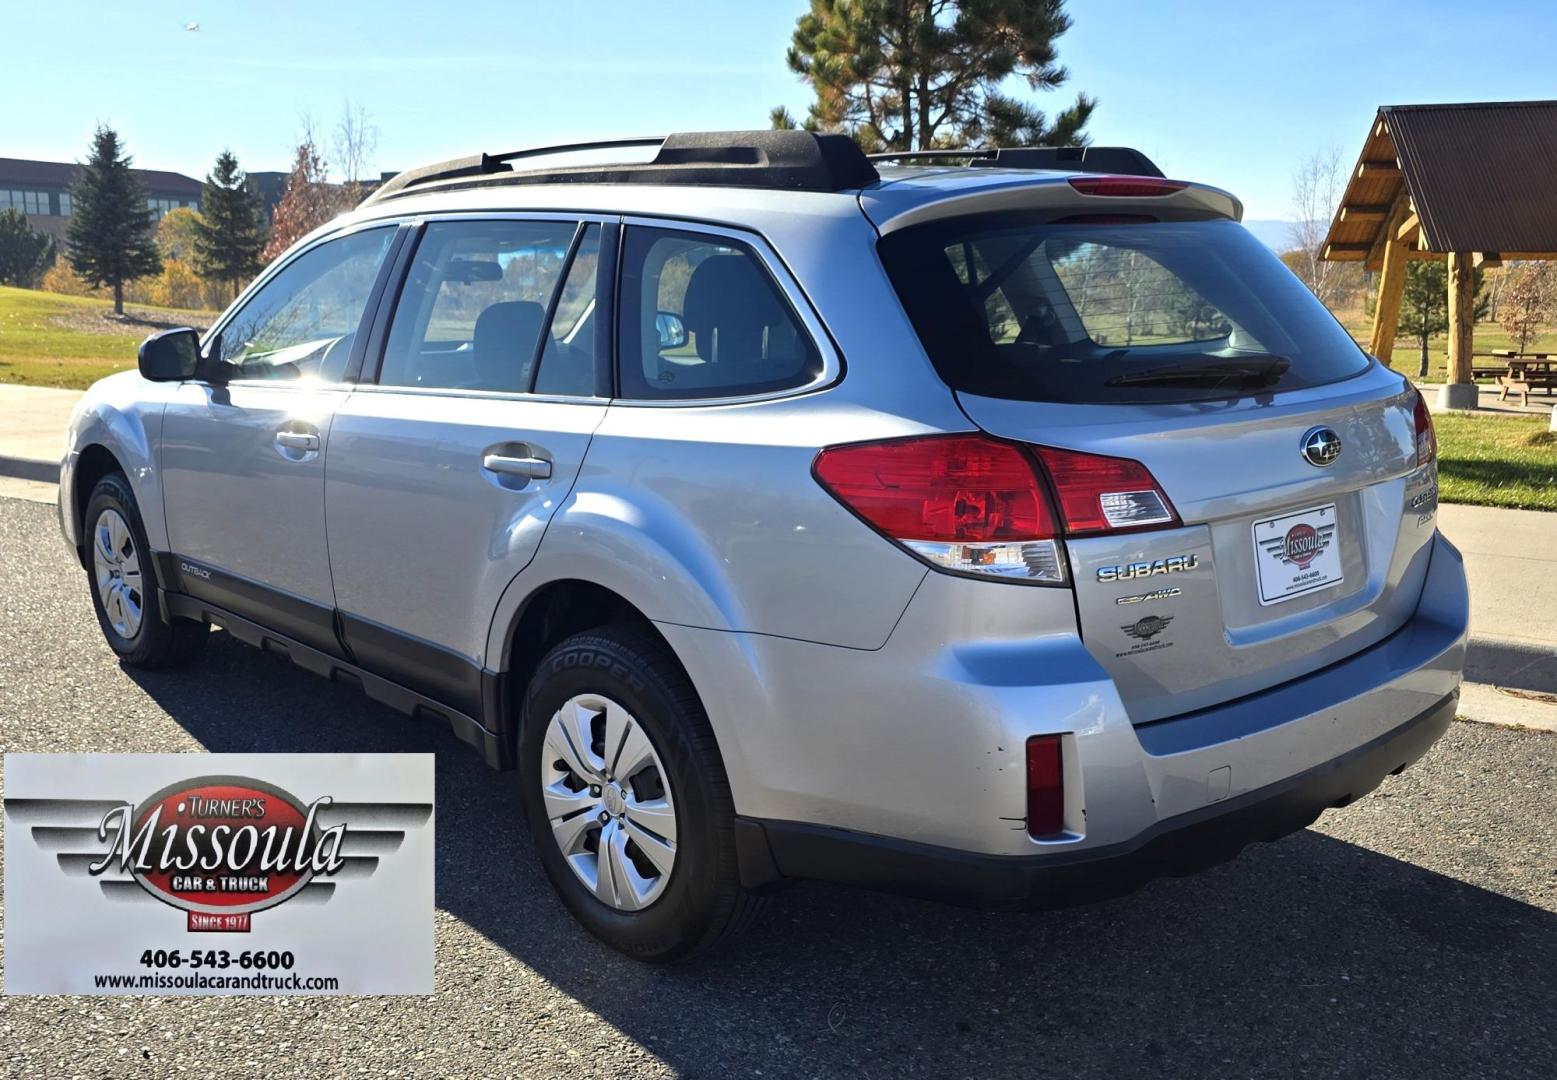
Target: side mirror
{"x":672,"y":331}
{"x":171,"y":355}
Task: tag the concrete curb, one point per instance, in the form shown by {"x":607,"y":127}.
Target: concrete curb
{"x":1522,"y":665}
{"x":29,"y":469}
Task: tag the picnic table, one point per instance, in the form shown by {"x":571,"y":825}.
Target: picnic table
{"x":1521,"y":372}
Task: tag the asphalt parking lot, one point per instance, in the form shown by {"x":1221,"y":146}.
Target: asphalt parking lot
{"x":1413,"y":934}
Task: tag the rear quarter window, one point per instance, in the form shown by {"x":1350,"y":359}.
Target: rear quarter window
{"x":1077,"y":310}
{"x":701,"y":317}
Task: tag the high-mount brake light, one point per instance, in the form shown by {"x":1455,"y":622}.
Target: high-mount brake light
{"x":1100,"y":494}
{"x":964,"y":503}
{"x":1126,"y":187}
{"x":1426,"y":438}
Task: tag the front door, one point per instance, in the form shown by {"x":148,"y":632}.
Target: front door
{"x":444,"y":474}
{"x":243,"y":454}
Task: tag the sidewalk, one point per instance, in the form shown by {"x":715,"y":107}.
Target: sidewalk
{"x":1541,"y":402}
{"x":32,"y":430}
{"x":1510,"y":559}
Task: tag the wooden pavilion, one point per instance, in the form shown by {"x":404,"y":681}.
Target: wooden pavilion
{"x":1475,"y":184}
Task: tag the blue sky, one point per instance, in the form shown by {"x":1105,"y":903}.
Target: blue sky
{"x":1235,"y":94}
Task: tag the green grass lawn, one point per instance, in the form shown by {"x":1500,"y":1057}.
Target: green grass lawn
{"x":1406,"y":357}
{"x":72,"y":341}
{"x":1497,"y":460}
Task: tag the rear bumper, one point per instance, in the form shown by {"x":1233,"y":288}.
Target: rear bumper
{"x":771,"y":850}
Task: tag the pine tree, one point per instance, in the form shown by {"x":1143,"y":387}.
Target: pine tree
{"x":231,"y":233}
{"x":1424,"y":304}
{"x":109,"y":237}
{"x":922,"y":74}
{"x":24,"y":253}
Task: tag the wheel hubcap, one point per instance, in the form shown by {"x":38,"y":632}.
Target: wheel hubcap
{"x":609,"y":802}
{"x":116,"y":567}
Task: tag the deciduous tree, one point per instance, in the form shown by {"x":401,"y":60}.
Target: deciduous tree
{"x":1526,"y":301}
{"x":1317,"y":187}
{"x":231,"y":234}
{"x":308,"y":201}
{"x":923,"y":74}
{"x":110,"y":233}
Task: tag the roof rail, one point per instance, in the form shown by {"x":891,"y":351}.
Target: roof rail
{"x":1119,"y":160}
{"x":793,"y":160}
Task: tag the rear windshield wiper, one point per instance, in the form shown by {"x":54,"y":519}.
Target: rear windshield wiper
{"x":1249,"y":371}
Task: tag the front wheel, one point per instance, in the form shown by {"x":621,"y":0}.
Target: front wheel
{"x":627,"y":799}
{"x":124,"y":585}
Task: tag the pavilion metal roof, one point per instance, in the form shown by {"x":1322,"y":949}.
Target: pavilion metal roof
{"x":1482,"y":177}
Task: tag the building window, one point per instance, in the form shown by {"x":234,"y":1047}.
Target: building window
{"x":28,"y":202}
{"x":159,"y":207}
{"x":64,"y":204}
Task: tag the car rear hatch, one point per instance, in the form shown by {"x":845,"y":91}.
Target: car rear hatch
{"x":1283,"y":518}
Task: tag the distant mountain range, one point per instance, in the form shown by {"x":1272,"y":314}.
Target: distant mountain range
{"x":1273,"y":233}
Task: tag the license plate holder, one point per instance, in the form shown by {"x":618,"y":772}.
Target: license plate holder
{"x":1297,"y":554}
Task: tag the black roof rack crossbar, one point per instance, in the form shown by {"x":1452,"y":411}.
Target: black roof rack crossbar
{"x":1119,"y":160}
{"x":793,"y":160}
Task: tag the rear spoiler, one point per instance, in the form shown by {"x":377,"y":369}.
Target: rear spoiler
{"x":893,"y":206}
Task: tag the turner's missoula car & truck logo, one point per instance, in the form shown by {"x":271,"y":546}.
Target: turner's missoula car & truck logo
{"x":221,"y":848}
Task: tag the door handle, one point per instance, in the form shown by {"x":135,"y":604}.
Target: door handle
{"x":297,"y":440}
{"x":532,"y":468}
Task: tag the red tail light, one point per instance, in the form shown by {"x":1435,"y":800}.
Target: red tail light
{"x":1045,"y":786}
{"x":1426,"y":438}
{"x":1128,"y":187}
{"x":1105,"y":494}
{"x":973,"y":504}
{"x":966,"y":503}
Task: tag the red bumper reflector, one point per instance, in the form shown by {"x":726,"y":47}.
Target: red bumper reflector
{"x":1045,"y":787}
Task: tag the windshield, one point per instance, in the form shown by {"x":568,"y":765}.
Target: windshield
{"x":1112,"y":310}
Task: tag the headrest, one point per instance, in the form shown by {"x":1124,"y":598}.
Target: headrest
{"x":503,"y":344}
{"x":730,"y":295}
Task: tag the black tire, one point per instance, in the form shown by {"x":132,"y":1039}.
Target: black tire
{"x":158,"y":641}
{"x":702,"y":902}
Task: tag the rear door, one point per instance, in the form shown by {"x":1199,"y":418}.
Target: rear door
{"x":446,"y":466}
{"x":243,"y":456}
{"x":1294,"y":514}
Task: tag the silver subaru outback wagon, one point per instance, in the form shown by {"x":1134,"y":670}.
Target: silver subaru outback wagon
{"x":1007,"y":527}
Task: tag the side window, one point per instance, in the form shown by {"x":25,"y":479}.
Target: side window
{"x":471,"y":312}
{"x":702,"y":317}
{"x":568,"y":354}
{"x":302,"y":322}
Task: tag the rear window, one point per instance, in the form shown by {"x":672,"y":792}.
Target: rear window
{"x":1112,"y":310}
